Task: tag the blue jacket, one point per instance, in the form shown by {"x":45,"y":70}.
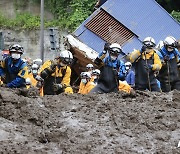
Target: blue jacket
{"x":116,"y":64}
{"x":15,"y":73}
{"x":171,"y":54}
{"x":130,"y":78}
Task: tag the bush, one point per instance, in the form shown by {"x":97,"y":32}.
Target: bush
{"x":176,"y":15}
{"x":25,"y":21}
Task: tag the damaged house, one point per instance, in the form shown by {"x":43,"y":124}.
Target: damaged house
{"x":121,"y":21}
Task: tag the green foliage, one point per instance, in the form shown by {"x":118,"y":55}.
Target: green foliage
{"x":176,"y":15}
{"x":81,"y":9}
{"x":24,"y":21}
{"x":169,"y":5}
{"x":70,"y":13}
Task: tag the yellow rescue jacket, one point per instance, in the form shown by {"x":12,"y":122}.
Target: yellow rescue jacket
{"x":86,"y":88}
{"x":124,"y":86}
{"x":136,"y":55}
{"x":33,"y":80}
{"x":62,"y":74}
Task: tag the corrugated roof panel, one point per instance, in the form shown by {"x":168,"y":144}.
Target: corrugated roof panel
{"x":108,"y":28}
{"x":144,"y":18}
{"x":91,"y":40}
{"x":97,"y":43}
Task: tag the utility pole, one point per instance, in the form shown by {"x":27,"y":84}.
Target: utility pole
{"x":42,"y":31}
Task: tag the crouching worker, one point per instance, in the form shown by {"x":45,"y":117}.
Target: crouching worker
{"x":33,"y":74}
{"x":86,"y":84}
{"x":112,"y":69}
{"x":56,"y":74}
{"x":13,"y":70}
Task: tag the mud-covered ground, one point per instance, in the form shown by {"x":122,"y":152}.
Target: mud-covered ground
{"x":89,"y":124}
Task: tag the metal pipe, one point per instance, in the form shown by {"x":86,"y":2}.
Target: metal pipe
{"x":42,"y":31}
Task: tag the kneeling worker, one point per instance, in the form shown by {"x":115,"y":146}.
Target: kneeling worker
{"x":56,"y":74}
{"x":86,"y":84}
{"x":13,"y":70}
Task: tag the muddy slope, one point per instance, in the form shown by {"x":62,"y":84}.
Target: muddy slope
{"x":93,"y":124}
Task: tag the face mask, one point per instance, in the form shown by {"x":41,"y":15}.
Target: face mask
{"x":170,"y":49}
{"x":34,"y":71}
{"x":127,"y":68}
{"x":84,"y":81}
{"x":95,"y":77}
{"x":15,"y":55}
{"x":113,"y":58}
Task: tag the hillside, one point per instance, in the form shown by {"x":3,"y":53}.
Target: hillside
{"x":103,"y":123}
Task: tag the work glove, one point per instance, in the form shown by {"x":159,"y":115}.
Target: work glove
{"x":148,"y":67}
{"x":166,"y":58}
{"x":39,"y":78}
{"x":39,"y":84}
{"x":98,"y":61}
{"x":52,"y":66}
{"x":106,"y":47}
{"x":57,"y":87}
{"x":143,"y":49}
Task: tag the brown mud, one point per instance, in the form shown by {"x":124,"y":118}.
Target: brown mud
{"x":114,"y":123}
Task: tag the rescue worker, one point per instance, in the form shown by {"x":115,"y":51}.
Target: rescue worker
{"x":95,"y":76}
{"x":130,"y":75}
{"x":86,"y":84}
{"x":4,"y":54}
{"x":89,"y":68}
{"x":33,"y":74}
{"x":38,"y":62}
{"x":112,"y":69}
{"x":13,"y":69}
{"x":56,"y":74}
{"x":170,"y":57}
{"x":146,"y":62}
{"x":28,"y":83}
{"x":35,"y":79}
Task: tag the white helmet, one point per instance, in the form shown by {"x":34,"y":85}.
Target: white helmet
{"x":149,"y":42}
{"x":170,"y":42}
{"x":115,"y":48}
{"x":89,"y":66}
{"x":128,"y":64}
{"x":66,"y":57}
{"x":28,"y":81}
{"x":96,"y":72}
{"x":85,"y":75}
{"x":16,"y":48}
{"x":37,"y":61}
{"x":34,"y":67}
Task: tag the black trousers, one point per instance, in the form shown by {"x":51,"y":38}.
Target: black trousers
{"x":166,"y":86}
{"x":153,"y":86}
